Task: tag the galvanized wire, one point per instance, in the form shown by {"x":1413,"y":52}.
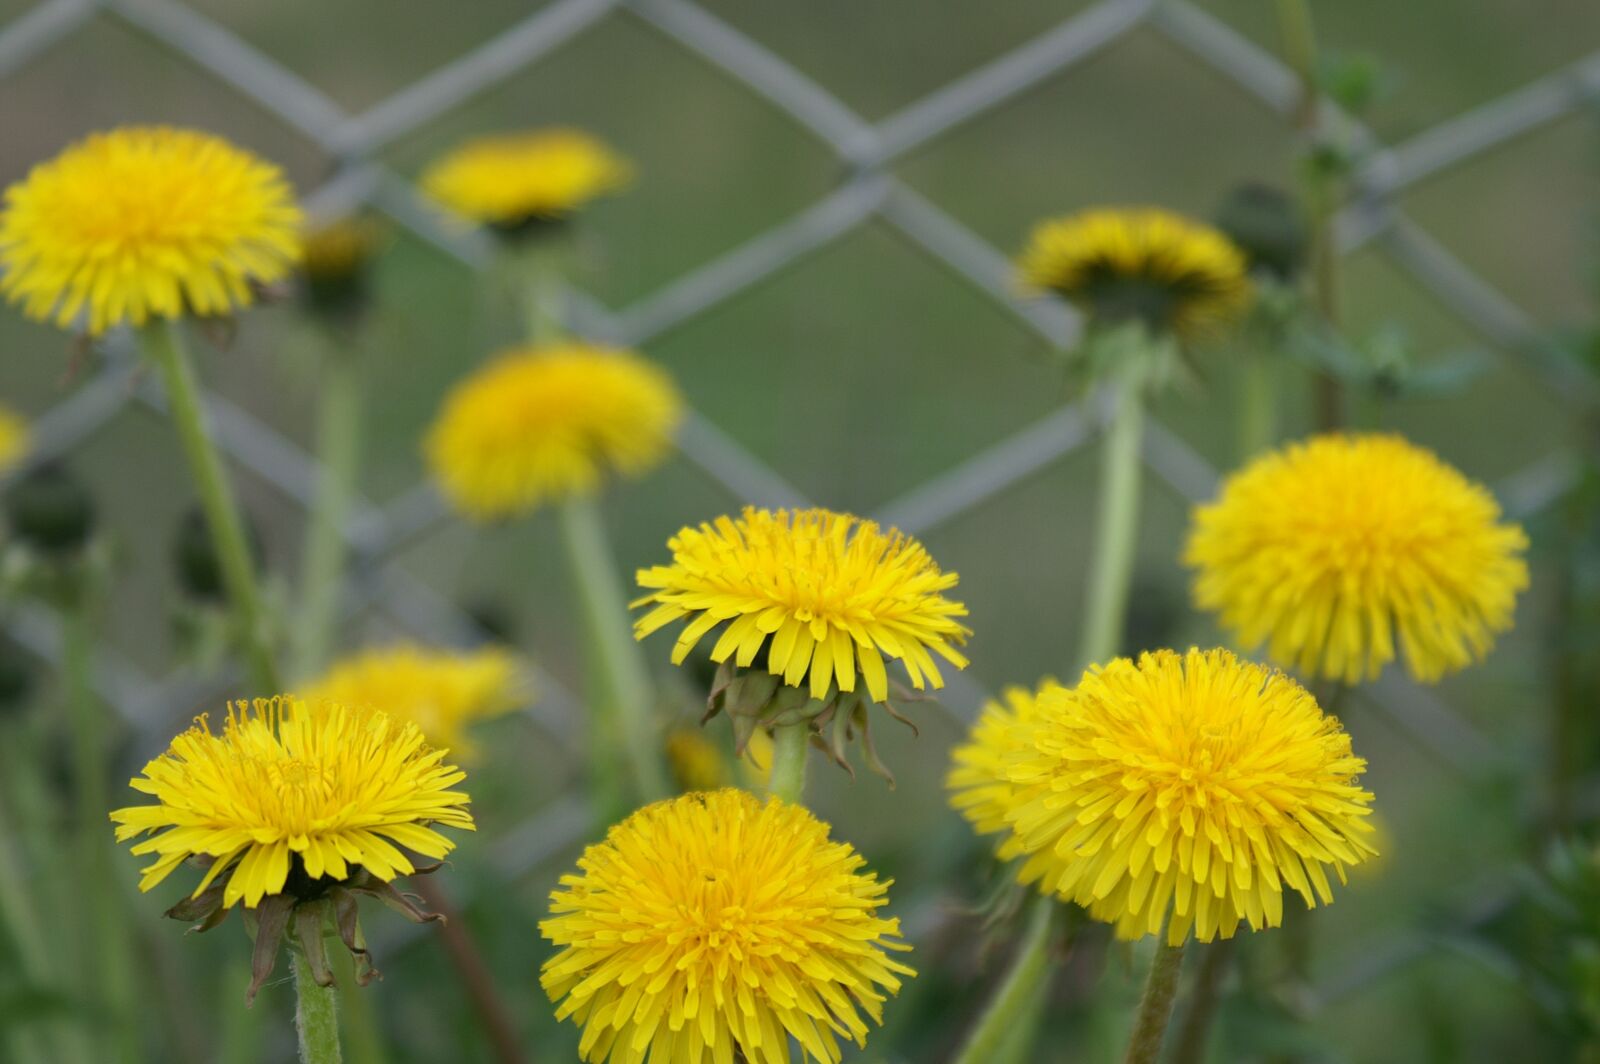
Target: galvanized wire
{"x":869,"y":192}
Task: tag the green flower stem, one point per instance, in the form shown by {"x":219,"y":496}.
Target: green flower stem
{"x":1300,"y":47}
{"x":106,"y":949}
{"x":19,"y":919}
{"x":537,"y":275}
{"x":787,"y":780}
{"x":1003,"y":1024}
{"x":1117,"y":531}
{"x":163,"y":346}
{"x":1258,"y":403}
{"x":621,"y":700}
{"x":316,"y":1019}
{"x":339,"y":452}
{"x":1155,"y":1007}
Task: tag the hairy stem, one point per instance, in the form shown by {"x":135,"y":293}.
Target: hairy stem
{"x":316,"y":1018}
{"x":1155,"y":1007}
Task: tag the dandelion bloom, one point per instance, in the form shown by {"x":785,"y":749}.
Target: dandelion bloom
{"x":1184,"y":789}
{"x":515,"y":178}
{"x":335,"y":260}
{"x":1175,"y":274}
{"x":317,"y":790}
{"x":831,"y":592}
{"x":442,"y":692}
{"x":718,"y":924}
{"x":695,"y":761}
{"x":1330,"y":549}
{"x":13,"y":440}
{"x":979,"y":778}
{"x":145,"y":222}
{"x":544,"y":423}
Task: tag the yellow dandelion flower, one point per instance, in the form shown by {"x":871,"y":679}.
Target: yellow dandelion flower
{"x":1330,"y":549}
{"x":514,"y":178}
{"x":978,"y":781}
{"x":1186,"y":789}
{"x":696,"y":762}
{"x":145,"y":222}
{"x":14,"y":438}
{"x":832,"y":592}
{"x":332,"y":255}
{"x":442,"y":692}
{"x":319,"y":789}
{"x":545,"y":423}
{"x":1170,"y":272}
{"x":715,"y":927}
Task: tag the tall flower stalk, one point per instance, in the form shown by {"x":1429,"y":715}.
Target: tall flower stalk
{"x":1146,"y":281}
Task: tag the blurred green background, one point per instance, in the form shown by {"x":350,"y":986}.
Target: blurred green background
{"x":858,"y":373}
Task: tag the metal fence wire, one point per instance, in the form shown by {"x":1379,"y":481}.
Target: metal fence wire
{"x":868,"y":191}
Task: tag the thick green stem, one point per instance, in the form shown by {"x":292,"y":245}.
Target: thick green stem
{"x":621,"y":701}
{"x":1258,"y":403}
{"x":105,"y":943}
{"x":1155,"y":1007}
{"x":339,"y":453}
{"x":1117,"y":531}
{"x":316,"y":1019}
{"x":163,"y":346}
{"x":537,"y":276}
{"x":787,"y":779}
{"x":1013,"y":1006}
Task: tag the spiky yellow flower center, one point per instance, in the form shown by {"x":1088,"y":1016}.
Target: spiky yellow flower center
{"x":1328,"y":550}
{"x":545,"y":423}
{"x":318,"y":785}
{"x":13,"y":440}
{"x":145,"y":222}
{"x":1144,"y":264}
{"x":504,"y":180}
{"x":442,"y":692}
{"x":717,"y":923}
{"x":824,"y":593}
{"x":1184,"y":789}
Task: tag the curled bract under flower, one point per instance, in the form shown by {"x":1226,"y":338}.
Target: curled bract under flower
{"x":1336,"y":551}
{"x":1186,"y":790}
{"x":714,"y":927}
{"x":542,"y":424}
{"x":295,"y":809}
{"x":1172,"y":273}
{"x":145,"y":222}
{"x":443,"y":692}
{"x":827,"y":597}
{"x":514,"y":178}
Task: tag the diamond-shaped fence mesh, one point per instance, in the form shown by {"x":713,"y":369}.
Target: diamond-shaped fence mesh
{"x":867,"y":191}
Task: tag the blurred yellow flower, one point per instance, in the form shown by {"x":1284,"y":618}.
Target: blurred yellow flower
{"x":442,"y":692}
{"x":1327,"y":550}
{"x":979,"y":778}
{"x":14,"y":438}
{"x":695,"y":761}
{"x":715,"y":925}
{"x":541,"y":424}
{"x":1144,"y":264}
{"x":145,"y":222}
{"x":317,"y":789}
{"x":1185,"y":789}
{"x":514,"y":178}
{"x":832,"y":592}
{"x":334,"y":252}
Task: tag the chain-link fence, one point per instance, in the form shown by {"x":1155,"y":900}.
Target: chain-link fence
{"x":868,"y":191}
